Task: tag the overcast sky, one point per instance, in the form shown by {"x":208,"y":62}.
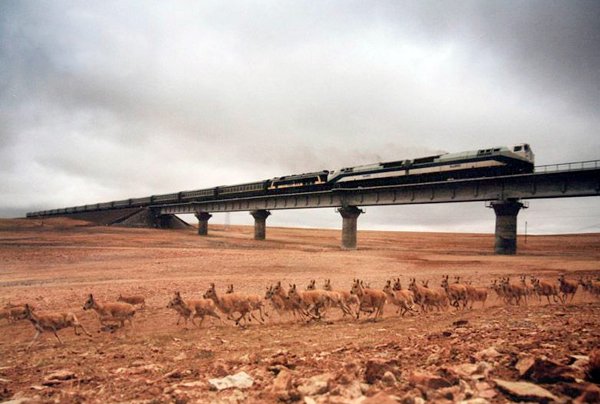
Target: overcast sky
{"x":107,"y":100}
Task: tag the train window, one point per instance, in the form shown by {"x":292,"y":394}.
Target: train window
{"x":526,"y":147}
{"x":518,"y":148}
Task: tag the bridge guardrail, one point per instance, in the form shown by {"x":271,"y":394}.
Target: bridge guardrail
{"x":579,"y":165}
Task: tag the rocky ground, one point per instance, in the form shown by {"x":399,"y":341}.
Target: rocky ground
{"x":536,"y":352}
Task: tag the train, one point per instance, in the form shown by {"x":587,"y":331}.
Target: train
{"x":496,"y":161}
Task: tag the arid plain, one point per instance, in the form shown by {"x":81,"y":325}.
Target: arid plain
{"x":448,"y":356}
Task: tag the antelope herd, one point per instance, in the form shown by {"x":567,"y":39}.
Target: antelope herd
{"x":314,"y":304}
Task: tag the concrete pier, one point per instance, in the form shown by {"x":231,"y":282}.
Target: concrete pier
{"x":350,"y":215}
{"x":260,"y":223}
{"x":203,"y":218}
{"x":506,"y":226}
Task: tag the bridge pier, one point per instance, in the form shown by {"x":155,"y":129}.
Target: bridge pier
{"x":506,"y":226}
{"x":260,"y":223}
{"x":203,"y":218}
{"x":350,"y":215}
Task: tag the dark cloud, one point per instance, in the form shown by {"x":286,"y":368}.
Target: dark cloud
{"x":109,"y":100}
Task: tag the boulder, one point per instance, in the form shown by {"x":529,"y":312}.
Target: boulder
{"x":283,"y":381}
{"x":593,"y":368}
{"x":316,"y":385}
{"x":524,"y":391}
{"x":428,"y":381}
{"x":489,"y":353}
{"x":547,"y":371}
{"x":590,"y":395}
{"x":377,"y":367}
{"x":240,"y":380}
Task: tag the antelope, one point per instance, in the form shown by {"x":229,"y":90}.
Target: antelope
{"x":310,"y":301}
{"x":398,"y":287}
{"x":5,"y":313}
{"x":336,"y":299}
{"x":17,"y":305}
{"x":52,"y":322}
{"x":567,"y":287}
{"x":229,"y":289}
{"x":184,"y":312}
{"x":514,"y":291}
{"x":371,"y":300}
{"x":230,"y":304}
{"x":280,"y":297}
{"x":349,"y":298}
{"x":277,"y":301}
{"x":111,"y":311}
{"x":16,"y":313}
{"x":456,"y":292}
{"x":425,"y":296}
{"x":529,"y":289}
{"x":545,"y":288}
{"x":194,"y":308}
{"x":404,"y":299}
{"x":476,"y":294}
{"x":496,"y":287}
{"x":133,"y":300}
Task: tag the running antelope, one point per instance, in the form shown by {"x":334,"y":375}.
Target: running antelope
{"x":456,"y":292}
{"x":51,"y":322}
{"x":476,"y":294}
{"x":348,"y":297}
{"x":545,"y":288}
{"x":113,"y":312}
{"x":567,"y":287}
{"x":193,"y":308}
{"x":371,"y":301}
{"x":514,"y":291}
{"x":281,"y":298}
{"x":310,"y":302}
{"x":404,"y":299}
{"x":5,"y":313}
{"x":429,"y":297}
{"x":230,"y":304}
{"x":133,"y":300}
{"x":529,"y":289}
{"x":336,"y":299}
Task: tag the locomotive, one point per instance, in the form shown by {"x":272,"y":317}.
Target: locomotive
{"x":517,"y":159}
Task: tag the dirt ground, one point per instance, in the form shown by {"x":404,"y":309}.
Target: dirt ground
{"x":453,"y":355}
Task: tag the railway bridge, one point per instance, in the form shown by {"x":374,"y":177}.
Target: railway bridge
{"x":506,"y":195}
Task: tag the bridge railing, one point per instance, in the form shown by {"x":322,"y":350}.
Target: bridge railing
{"x":580,"y":165}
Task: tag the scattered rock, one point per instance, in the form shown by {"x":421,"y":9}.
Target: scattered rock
{"x":547,"y":371}
{"x":524,"y":391}
{"x":283,"y":382}
{"x":489,"y":353}
{"x":428,"y":381}
{"x":316,"y":385}
{"x":477,"y":400}
{"x":593,"y":368}
{"x":474,"y":371}
{"x":220,"y":369}
{"x":380,"y":398}
{"x":579,"y":361}
{"x":59,"y":377}
{"x":240,"y":381}
{"x":180,"y":357}
{"x":460,"y":323}
{"x":389,"y":378}
{"x":524,"y":364}
{"x":590,"y":395}
{"x":377,"y":367}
